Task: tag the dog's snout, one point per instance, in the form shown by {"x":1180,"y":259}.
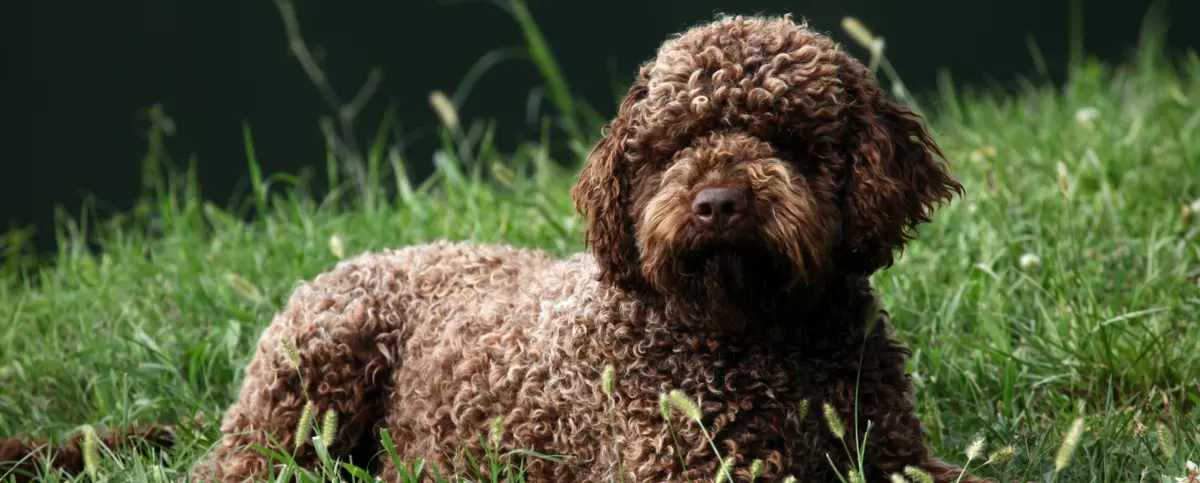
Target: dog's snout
{"x":718,"y":206}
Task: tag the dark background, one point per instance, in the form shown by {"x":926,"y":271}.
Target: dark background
{"x":78,"y":72}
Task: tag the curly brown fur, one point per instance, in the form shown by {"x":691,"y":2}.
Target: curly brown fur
{"x":753,"y":309}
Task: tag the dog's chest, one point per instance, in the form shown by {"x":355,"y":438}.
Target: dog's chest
{"x":767,"y":402}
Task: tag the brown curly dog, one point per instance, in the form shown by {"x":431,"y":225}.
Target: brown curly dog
{"x":751,"y":182}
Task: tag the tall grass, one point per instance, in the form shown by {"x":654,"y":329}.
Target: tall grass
{"x":1054,"y":309}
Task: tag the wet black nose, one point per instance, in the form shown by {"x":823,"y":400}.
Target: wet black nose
{"x":718,"y":206}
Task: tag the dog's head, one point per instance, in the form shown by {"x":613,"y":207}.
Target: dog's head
{"x":753,"y":154}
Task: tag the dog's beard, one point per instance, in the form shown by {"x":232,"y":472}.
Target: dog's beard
{"x":725,"y":281}
{"x":726,"y":286}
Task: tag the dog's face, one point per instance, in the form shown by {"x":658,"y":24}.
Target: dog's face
{"x":754,"y":155}
{"x":731,"y":214}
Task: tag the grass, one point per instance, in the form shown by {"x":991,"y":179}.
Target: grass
{"x":1061,"y":295}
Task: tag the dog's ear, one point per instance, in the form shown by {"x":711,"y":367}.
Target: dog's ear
{"x":893,"y":181}
{"x":602,"y":194}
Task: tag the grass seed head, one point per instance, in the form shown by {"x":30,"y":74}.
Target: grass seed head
{"x":336,"y":247}
{"x":329,"y":427}
{"x":304,"y":427}
{"x":290,"y":350}
{"x":975,"y":449}
{"x":1003,"y":454}
{"x":1064,"y":178}
{"x":684,"y":405}
{"x":497,"y":431}
{"x":726,"y":473}
{"x":503,"y":174}
{"x":756,"y":467}
{"x":606,"y":381}
{"x":833,"y":421}
{"x":243,"y":287}
{"x":444,"y":108}
{"x":1166,"y":441}
{"x":1067,"y":448}
{"x":664,"y":405}
{"x":918,"y":475}
{"x":91,"y":454}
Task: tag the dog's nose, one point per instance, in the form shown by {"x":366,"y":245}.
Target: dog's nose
{"x":718,"y":206}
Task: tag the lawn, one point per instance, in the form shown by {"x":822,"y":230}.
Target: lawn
{"x":1064,"y":287}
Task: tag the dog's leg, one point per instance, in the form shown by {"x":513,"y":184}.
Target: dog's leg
{"x":333,"y":330}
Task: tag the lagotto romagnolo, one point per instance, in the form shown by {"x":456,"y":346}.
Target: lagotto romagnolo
{"x":753,"y":179}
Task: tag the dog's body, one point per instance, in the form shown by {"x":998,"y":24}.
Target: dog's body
{"x":434,"y":342}
{"x":752,"y":181}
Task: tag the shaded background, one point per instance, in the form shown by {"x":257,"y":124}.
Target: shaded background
{"x":79,"y":73}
